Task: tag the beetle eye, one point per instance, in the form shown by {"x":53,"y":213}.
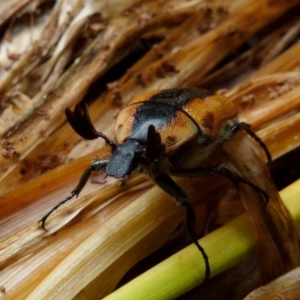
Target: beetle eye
{"x":124,"y":159}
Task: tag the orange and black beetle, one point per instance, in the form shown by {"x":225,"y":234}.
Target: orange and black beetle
{"x":166,"y":133}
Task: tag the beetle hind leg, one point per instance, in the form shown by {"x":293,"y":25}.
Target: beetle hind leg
{"x":96,"y":166}
{"x":238,"y":179}
{"x":225,"y":172}
{"x":247,"y":127}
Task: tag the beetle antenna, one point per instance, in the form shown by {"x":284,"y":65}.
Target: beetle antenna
{"x":81,"y":122}
{"x":107,"y":140}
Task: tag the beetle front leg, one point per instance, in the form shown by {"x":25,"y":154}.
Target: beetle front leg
{"x":96,"y":166}
{"x":170,"y":187}
{"x":206,"y":171}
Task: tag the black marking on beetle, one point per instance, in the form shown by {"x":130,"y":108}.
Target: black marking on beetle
{"x":180,"y":97}
{"x":149,"y":113}
{"x":161,"y":109}
{"x":170,"y":140}
{"x":208,"y":120}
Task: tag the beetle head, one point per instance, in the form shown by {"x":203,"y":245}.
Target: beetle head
{"x":124,"y":158}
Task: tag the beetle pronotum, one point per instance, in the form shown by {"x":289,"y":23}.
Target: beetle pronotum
{"x":166,"y":133}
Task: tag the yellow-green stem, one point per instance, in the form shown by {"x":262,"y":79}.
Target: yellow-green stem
{"x":226,"y":247}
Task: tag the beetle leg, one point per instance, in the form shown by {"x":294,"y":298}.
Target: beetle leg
{"x":206,"y":171}
{"x":154,"y":146}
{"x":170,"y":187}
{"x":96,"y":166}
{"x":247,"y":128}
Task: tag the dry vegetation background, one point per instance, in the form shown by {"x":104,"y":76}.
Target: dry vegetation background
{"x":54,"y":54}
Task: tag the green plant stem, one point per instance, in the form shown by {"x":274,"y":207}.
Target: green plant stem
{"x":226,"y":247}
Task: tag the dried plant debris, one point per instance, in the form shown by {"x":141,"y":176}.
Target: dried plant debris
{"x":55,"y":54}
{"x":9,"y":150}
{"x":285,"y":286}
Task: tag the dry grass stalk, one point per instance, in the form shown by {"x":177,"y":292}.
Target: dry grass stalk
{"x":211,"y":47}
{"x":273,"y":224}
{"x":286,"y":286}
{"x":264,"y":54}
{"x":89,"y":254}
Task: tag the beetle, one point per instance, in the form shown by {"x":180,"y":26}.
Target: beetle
{"x":165,"y":133}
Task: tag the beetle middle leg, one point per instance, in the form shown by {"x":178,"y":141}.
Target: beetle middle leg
{"x":96,"y":166}
{"x":206,"y":171}
{"x":170,"y":187}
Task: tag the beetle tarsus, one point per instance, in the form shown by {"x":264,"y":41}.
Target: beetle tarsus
{"x":45,"y":217}
{"x":190,"y":228}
